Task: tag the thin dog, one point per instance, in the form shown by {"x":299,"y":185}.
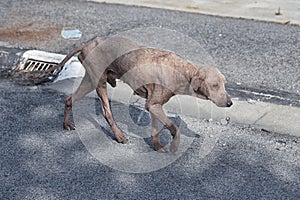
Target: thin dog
{"x":153,"y":74}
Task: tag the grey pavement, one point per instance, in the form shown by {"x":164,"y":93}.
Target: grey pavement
{"x":250,"y":53}
{"x":280,"y":11}
{"x":39,"y":160}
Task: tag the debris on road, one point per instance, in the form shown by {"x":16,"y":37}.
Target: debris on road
{"x":278,"y":12}
{"x":72,"y":34}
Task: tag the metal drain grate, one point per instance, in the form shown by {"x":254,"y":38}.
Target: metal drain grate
{"x":34,"y":72}
{"x":37,"y":67}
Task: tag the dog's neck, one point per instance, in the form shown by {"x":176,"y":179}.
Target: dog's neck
{"x":193,"y":71}
{"x":190,"y":71}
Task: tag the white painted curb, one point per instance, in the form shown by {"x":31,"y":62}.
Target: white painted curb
{"x":249,"y":9}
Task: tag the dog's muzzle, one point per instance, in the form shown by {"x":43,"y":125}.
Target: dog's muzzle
{"x":229,"y":103}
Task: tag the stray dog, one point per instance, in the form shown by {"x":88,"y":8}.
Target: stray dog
{"x":153,"y":74}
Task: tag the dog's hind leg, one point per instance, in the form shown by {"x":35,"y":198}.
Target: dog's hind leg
{"x":84,"y":88}
{"x":102,"y":93}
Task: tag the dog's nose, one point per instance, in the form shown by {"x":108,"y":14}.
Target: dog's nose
{"x":229,"y":103}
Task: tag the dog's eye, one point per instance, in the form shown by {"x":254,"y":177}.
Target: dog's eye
{"x":216,"y":85}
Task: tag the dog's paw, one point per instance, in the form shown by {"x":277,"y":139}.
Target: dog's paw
{"x":160,"y":148}
{"x":175,"y":144}
{"x":69,"y":126}
{"x":173,"y":147}
{"x":122,"y":139}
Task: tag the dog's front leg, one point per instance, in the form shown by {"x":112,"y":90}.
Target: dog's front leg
{"x":158,"y":112}
{"x":155,"y":137}
{"x":102,"y":93}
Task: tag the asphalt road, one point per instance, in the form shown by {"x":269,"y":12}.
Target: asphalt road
{"x":255,"y":54}
{"x":41,"y":161}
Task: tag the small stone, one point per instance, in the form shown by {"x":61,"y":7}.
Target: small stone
{"x":32,"y":87}
{"x":281,"y":142}
{"x":224,"y":122}
{"x":295,"y":141}
{"x":227,"y":119}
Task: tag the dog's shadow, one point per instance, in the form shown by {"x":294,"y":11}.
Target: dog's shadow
{"x":137,"y":122}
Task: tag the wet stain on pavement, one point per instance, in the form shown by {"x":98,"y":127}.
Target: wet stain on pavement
{"x":32,"y":31}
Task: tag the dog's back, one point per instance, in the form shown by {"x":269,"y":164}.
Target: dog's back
{"x":151,"y":66}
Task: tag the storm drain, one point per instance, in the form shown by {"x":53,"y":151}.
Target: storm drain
{"x":37,"y":67}
{"x":34,"y":72}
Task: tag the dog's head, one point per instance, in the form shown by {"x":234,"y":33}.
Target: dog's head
{"x":209,"y":83}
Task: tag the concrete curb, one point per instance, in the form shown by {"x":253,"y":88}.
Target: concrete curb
{"x":266,"y":116}
{"x":281,"y":11}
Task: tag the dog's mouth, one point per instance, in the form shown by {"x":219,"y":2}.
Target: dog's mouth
{"x":227,"y":103}
{"x":201,"y":96}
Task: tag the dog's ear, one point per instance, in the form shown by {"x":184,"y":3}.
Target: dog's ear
{"x":196,"y":83}
{"x":198,"y":80}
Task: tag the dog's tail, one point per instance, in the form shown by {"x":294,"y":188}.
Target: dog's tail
{"x":47,"y":75}
{"x":70,"y":55}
